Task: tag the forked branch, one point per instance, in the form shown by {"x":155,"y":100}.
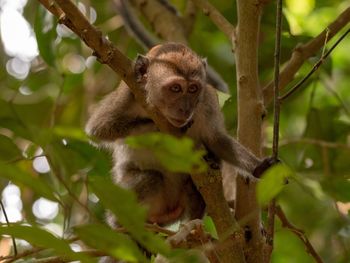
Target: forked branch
{"x":303,"y":52}
{"x":314,"y":68}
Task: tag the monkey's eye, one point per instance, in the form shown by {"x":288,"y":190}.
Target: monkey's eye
{"x":175,"y":88}
{"x":193,"y":88}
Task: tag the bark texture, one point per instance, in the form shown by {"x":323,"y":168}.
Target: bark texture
{"x":250,"y":112}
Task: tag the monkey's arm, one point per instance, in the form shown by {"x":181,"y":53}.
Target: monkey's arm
{"x":116,"y":115}
{"x":218,"y":141}
{"x":231,"y":151}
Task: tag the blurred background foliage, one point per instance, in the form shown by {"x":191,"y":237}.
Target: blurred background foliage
{"x":47,"y":160}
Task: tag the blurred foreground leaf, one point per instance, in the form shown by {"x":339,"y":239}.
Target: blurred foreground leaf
{"x":338,"y":188}
{"x":175,"y":154}
{"x":209,"y":226}
{"x":115,"y":244}
{"x":20,"y":177}
{"x":272,"y":183}
{"x":288,"y":248}
{"x":130,"y":213}
{"x":8,"y":149}
{"x":43,"y":239}
{"x":45,"y":36}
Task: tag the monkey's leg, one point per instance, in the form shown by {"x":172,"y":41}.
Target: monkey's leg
{"x":195,"y":207}
{"x":145,"y":183}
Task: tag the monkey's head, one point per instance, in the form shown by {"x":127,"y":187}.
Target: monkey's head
{"x":173,"y":77}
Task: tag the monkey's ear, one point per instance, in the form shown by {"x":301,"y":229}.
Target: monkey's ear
{"x":140,"y":68}
{"x":205,"y":62}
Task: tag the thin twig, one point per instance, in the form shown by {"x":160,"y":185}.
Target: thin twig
{"x":152,"y":227}
{"x":300,"y":233}
{"x":158,"y":229}
{"x":276,"y":108}
{"x":325,"y":42}
{"x":314,"y":68}
{"x":328,"y":86}
{"x":22,"y":255}
{"x":302,"y":52}
{"x":272,"y":206}
{"x":8,"y":223}
{"x":21,"y":158}
{"x":318,"y":142}
{"x":62,"y":259}
{"x":30,"y":252}
{"x":57,"y":174}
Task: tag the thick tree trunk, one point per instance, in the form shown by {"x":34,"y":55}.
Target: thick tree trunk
{"x":250,"y":112}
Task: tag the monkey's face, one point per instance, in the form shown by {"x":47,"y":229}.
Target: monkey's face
{"x":173,"y":77}
{"x":174,"y":95}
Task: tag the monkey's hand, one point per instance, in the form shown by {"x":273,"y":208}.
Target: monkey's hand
{"x":264,"y":165}
{"x":190,"y":234}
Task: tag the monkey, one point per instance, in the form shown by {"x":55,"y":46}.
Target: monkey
{"x":174,"y":80}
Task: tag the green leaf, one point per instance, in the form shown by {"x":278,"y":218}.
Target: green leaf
{"x":70,"y":132}
{"x":85,"y":156}
{"x":293,"y":252}
{"x":8,"y":149}
{"x":21,"y":177}
{"x":272,"y":183}
{"x":30,"y":151}
{"x":115,"y":244}
{"x":338,"y":188}
{"x":129,"y":212}
{"x":45,"y":37}
{"x":175,"y":154}
{"x":41,"y":238}
{"x":209,"y":226}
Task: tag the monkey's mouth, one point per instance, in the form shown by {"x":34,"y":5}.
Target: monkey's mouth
{"x":179,"y":122}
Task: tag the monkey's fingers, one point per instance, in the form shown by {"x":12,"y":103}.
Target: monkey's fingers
{"x":264,"y":165}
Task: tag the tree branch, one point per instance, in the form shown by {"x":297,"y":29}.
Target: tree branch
{"x":10,"y":259}
{"x":302,"y":52}
{"x":217,"y":18}
{"x":250,"y":112}
{"x":300,"y":233}
{"x":189,"y":17}
{"x":314,"y":68}
{"x":106,"y":53}
{"x":166,"y":26}
{"x":134,"y":25}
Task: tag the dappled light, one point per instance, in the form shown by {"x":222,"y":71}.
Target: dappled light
{"x":45,"y":209}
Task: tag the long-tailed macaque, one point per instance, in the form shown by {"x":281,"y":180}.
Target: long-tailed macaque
{"x":174,"y":79}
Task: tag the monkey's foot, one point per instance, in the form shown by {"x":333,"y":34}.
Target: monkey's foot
{"x":168,"y":216}
{"x":190,"y":234}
